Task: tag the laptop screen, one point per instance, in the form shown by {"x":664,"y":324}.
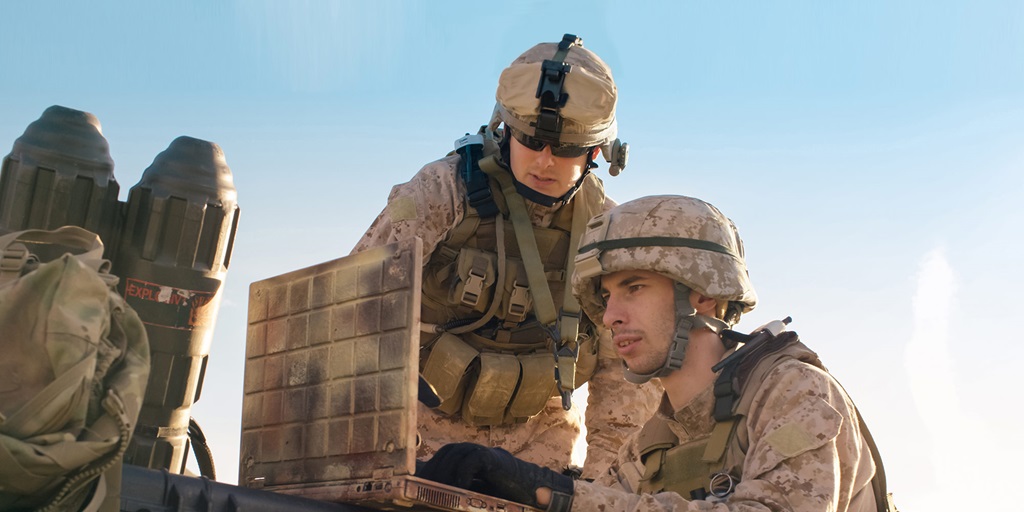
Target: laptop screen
{"x":331,"y":372}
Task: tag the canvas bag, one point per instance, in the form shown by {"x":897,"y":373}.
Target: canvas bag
{"x":74,"y":362}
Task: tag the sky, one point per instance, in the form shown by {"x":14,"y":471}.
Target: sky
{"x":870,"y":154}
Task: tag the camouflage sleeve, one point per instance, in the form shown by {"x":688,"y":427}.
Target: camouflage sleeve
{"x":428,"y":206}
{"x":615,"y":409}
{"x":589,"y":496}
{"x":806,"y":452}
{"x":802,"y":456}
{"x":625,"y":473}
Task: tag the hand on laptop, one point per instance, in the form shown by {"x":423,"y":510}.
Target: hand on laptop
{"x":496,"y":472}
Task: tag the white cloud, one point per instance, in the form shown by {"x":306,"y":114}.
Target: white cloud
{"x":962,"y":445}
{"x":929,"y":363}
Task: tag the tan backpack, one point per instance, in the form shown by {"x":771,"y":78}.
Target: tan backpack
{"x":74,"y":362}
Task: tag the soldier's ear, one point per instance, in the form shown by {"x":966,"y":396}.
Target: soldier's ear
{"x":704,"y":305}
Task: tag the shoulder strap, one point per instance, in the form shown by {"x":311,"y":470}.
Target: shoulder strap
{"x":15,"y":255}
{"x":482,"y":207}
{"x":543,"y":303}
{"x":731,"y":382}
{"x":878,"y":485}
{"x":478,"y":189}
{"x":588,"y":202}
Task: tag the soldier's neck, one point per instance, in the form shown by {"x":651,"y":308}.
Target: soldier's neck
{"x":695,"y":375}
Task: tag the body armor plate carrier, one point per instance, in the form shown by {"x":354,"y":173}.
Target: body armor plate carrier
{"x":504,"y":344}
{"x":713,"y":465}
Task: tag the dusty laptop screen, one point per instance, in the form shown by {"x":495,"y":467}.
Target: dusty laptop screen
{"x":331,"y":372}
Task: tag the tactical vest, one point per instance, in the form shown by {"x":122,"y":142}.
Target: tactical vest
{"x":713,"y":465}
{"x":491,"y":359}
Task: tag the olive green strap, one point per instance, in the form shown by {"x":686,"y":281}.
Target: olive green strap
{"x":543,"y":304}
{"x":569,"y":317}
{"x":570,"y":306}
{"x":67,"y":387}
{"x":719,"y":440}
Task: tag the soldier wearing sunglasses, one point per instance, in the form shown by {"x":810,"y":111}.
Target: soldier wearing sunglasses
{"x":504,"y":342}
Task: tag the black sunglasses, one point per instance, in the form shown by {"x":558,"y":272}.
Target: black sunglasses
{"x":534,"y":144}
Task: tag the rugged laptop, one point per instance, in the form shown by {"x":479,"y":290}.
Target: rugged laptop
{"x":331,"y":380}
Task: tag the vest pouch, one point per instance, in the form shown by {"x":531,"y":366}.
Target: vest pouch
{"x":516,"y":302}
{"x":486,"y":401}
{"x":447,"y":368}
{"x":683,"y":471}
{"x":536,"y":386}
{"x":477,"y":272}
{"x":668,"y":466}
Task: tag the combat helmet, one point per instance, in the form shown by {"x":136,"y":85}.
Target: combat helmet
{"x":683,"y":238}
{"x":562,"y":94}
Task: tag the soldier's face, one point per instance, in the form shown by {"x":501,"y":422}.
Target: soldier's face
{"x":640,"y":311}
{"x":543,"y":172}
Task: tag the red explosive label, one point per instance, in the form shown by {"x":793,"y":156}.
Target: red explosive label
{"x":168,"y":306}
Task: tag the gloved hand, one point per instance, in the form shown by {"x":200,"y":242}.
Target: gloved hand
{"x":496,"y":472}
{"x":427,"y":395}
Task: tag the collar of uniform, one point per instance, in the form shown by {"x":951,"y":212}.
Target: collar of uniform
{"x":542,"y":216}
{"x":693,"y":420}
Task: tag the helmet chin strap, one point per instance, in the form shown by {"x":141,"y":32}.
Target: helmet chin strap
{"x":687,"y":319}
{"x":544,"y":199}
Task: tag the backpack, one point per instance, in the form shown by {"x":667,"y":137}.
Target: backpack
{"x":72,"y":375}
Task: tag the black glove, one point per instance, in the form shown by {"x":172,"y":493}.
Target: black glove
{"x":496,"y":472}
{"x":427,"y":395}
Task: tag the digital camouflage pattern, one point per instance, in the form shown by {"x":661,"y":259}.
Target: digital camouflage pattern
{"x":430,"y":205}
{"x":75,"y":368}
{"x":713,"y":274}
{"x":588,"y":116}
{"x":804,"y":452}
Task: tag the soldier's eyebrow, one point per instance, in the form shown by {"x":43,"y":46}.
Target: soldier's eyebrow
{"x":625,"y":282}
{"x":630,"y":280}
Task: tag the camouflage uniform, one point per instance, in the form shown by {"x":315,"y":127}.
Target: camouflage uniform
{"x":803,"y":454}
{"x":429,"y":206}
{"x":797,"y":446}
{"x":766,"y":428}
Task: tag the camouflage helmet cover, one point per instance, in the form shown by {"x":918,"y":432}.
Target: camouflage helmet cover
{"x":588,"y":115}
{"x":681,"y":237}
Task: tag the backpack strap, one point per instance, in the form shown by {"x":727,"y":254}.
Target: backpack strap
{"x":16,"y":257}
{"x":471,"y":149}
{"x":883,"y":500}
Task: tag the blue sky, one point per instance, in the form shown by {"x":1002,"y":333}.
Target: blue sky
{"x":870,"y":153}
